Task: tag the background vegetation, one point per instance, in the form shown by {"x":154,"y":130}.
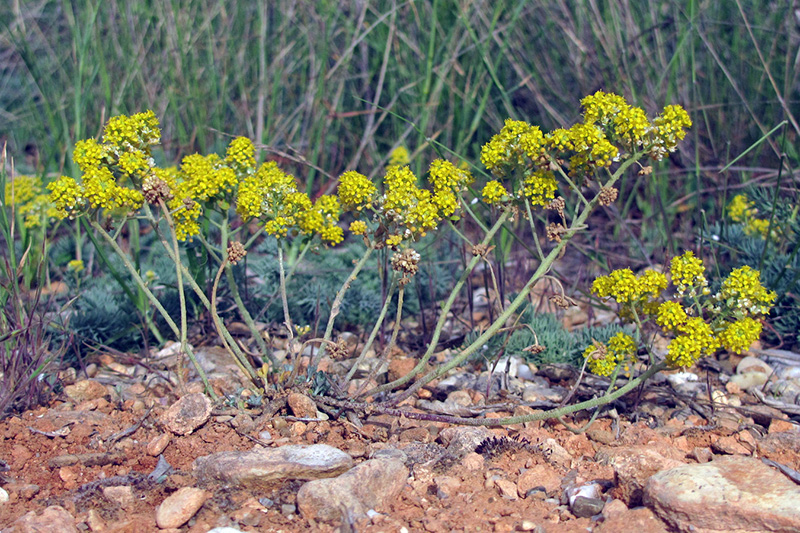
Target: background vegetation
{"x":326,"y":86}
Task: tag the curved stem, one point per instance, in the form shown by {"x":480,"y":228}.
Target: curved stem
{"x":153,"y":300}
{"x":373,"y":334}
{"x":337,"y":303}
{"x":521,"y":298}
{"x":437,"y":332}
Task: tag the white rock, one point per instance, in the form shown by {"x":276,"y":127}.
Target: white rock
{"x":3,"y":495}
{"x":753,"y":364}
{"x":749,"y":380}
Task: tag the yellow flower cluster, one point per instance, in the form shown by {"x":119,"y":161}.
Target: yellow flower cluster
{"x":494,"y":192}
{"x":516,"y":140}
{"x":399,"y":157}
{"x":241,"y":155}
{"x":743,"y":292}
{"x":688,"y":274}
{"x":356,"y":191}
{"x":742,"y":211}
{"x":625,"y":287}
{"x":670,"y":315}
{"x":112,"y":170}
{"x":739,"y":335}
{"x":404,"y":209}
{"x":603,"y":359}
{"x":28,"y":195}
{"x":694,"y":340}
{"x":669,"y":129}
{"x":611,"y":129}
{"x":207,"y":177}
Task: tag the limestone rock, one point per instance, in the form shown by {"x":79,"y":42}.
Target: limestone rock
{"x":728,"y":494}
{"x":634,"y":521}
{"x":187,"y":414}
{"x":370,"y":485}
{"x":462,"y":440}
{"x":265,"y":466}
{"x":544,"y":476}
{"x":179,"y":507}
{"x":301,"y":405}
{"x":633,"y":466}
{"x":54,"y":519}
{"x":87,"y":389}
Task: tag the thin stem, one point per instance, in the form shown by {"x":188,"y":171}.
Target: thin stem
{"x":374,"y":333}
{"x":217,"y":323}
{"x":445,"y":311}
{"x":181,"y":294}
{"x":337,"y":302}
{"x":153,"y":300}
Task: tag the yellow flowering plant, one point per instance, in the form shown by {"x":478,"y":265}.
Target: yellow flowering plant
{"x":698,"y":322}
{"x":200,"y":199}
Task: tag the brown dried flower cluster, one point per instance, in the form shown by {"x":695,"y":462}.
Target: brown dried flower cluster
{"x":407,"y":263}
{"x":557,"y":204}
{"x":236,"y":252}
{"x":154,"y":189}
{"x":607,"y":195}
{"x":555,"y":231}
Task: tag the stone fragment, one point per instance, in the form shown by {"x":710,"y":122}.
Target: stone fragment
{"x":400,"y":367}
{"x":122,"y":495}
{"x":584,"y":507}
{"x":544,"y":476}
{"x":508,"y":489}
{"x":728,"y":494}
{"x":473,"y":461}
{"x":370,"y":485}
{"x":302,"y":406}
{"x":265,"y":466}
{"x":614,"y":508}
{"x":3,"y":495}
{"x":753,"y":364}
{"x":157,"y":445}
{"x":638,"y":520}
{"x":86,"y":389}
{"x":556,"y":454}
{"x":54,"y":519}
{"x":779,"y":426}
{"x":187,"y":414}
{"x":729,"y":445}
{"x":179,"y":507}
{"x":446,"y":486}
{"x":462,"y":440}
{"x":633,"y":465}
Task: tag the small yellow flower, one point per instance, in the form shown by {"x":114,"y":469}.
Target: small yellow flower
{"x":76,"y":265}
{"x":688,"y":273}
{"x":494,"y":192}
{"x":399,"y":157}
{"x":358,"y":227}
{"x":737,"y":337}
{"x":355,"y":190}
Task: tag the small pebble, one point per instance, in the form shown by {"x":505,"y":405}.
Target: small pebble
{"x":3,"y":495}
{"x":288,"y":509}
{"x":584,"y":507}
{"x":266,"y":502}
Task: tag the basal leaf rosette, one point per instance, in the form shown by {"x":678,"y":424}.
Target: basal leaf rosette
{"x":403,"y":211}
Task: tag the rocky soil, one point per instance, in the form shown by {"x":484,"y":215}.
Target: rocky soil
{"x":122,"y":452}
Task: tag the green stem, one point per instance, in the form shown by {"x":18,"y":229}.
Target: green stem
{"x":392,"y":341}
{"x":337,"y":303}
{"x":243,"y":312}
{"x":373,"y":334}
{"x":153,"y":300}
{"x":445,"y":310}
